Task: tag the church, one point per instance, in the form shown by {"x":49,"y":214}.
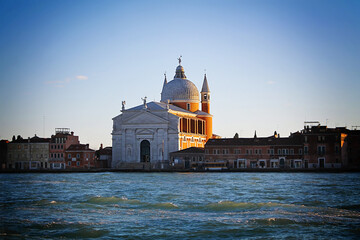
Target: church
{"x":149,"y":132}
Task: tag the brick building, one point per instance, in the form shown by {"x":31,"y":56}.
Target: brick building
{"x":62,"y":140}
{"x":266,"y":152}
{"x":80,"y":156}
{"x":324,"y":147}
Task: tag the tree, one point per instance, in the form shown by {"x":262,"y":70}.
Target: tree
{"x":13,"y":138}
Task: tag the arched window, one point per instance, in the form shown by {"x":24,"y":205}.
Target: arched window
{"x":188,"y":106}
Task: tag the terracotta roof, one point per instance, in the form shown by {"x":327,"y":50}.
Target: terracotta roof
{"x":79,"y":147}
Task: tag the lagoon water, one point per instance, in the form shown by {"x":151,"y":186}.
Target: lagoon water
{"x":180,"y":206}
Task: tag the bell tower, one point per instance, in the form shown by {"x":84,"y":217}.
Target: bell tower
{"x":205,"y":96}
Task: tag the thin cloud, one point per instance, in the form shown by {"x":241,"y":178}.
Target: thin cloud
{"x":62,"y":83}
{"x":81,"y":77}
{"x":270,"y":82}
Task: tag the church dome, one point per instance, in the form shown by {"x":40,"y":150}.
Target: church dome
{"x":180,"y":89}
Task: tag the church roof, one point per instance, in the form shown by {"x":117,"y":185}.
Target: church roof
{"x":201,"y":113}
{"x":158,"y":106}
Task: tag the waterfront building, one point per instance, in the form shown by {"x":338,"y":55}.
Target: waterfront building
{"x":352,"y":153}
{"x":187,"y":158}
{"x":145,"y":135}
{"x":103,"y":157}
{"x":80,"y":156}
{"x":323,"y":147}
{"x":256,"y":152}
{"x":62,"y":140}
{"x":31,"y":153}
{"x":3,"y":153}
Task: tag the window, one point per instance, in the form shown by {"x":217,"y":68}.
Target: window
{"x":69,"y":163}
{"x":260,"y":151}
{"x":284,"y":151}
{"x":237,"y":151}
{"x":62,"y":155}
{"x":216,"y":151}
{"x":279,"y":151}
{"x":321,"y":149}
{"x":300,"y":151}
{"x":188,"y":106}
{"x":256,"y":151}
{"x":77,"y":155}
{"x":291,"y":151}
{"x":225,"y":151}
{"x":305,"y":138}
{"x":69,"y":155}
{"x":77,"y":163}
{"x":306,"y":150}
{"x":207,"y":151}
{"x":62,"y":146}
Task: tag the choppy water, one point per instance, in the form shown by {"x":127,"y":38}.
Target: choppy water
{"x":180,"y":206}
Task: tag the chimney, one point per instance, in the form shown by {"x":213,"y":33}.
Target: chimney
{"x":101,"y":146}
{"x":72,"y":133}
{"x":87,"y":146}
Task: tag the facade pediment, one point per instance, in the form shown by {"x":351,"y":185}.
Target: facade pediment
{"x":144,"y":131}
{"x":144,"y":117}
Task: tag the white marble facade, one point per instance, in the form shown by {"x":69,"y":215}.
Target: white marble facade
{"x":152,"y":122}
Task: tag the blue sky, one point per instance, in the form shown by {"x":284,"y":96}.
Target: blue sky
{"x":271,"y":65}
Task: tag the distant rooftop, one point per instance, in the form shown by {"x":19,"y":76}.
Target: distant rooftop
{"x":62,"y":130}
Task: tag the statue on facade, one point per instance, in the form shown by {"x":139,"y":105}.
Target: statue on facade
{"x":123,"y":105}
{"x":144,"y":99}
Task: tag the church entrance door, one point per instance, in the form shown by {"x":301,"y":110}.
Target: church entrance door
{"x":145,"y":151}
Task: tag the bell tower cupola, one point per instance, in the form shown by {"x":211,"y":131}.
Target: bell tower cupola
{"x":205,"y":96}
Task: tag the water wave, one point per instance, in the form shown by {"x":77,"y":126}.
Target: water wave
{"x":113,"y":199}
{"x":233,"y":206}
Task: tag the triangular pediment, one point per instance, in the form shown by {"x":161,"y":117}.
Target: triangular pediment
{"x":144,"y":131}
{"x":144,"y":117}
